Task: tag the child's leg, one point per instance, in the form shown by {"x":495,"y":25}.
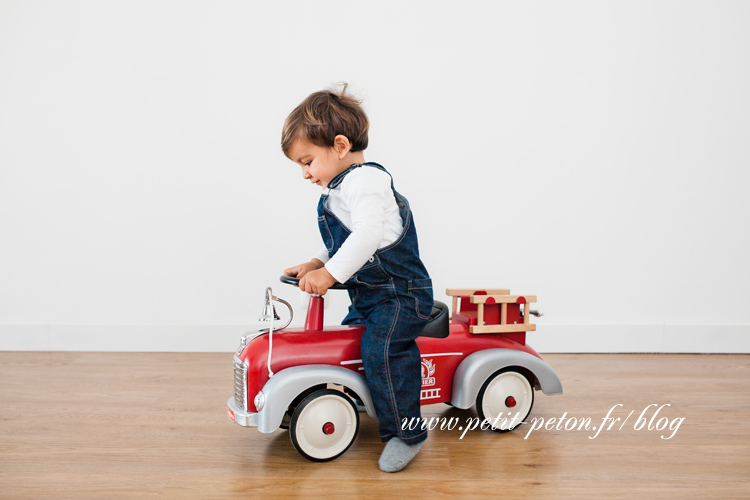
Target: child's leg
{"x":393,"y":368}
{"x":353,"y":317}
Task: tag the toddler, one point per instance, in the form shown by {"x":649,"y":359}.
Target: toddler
{"x":369,"y":240}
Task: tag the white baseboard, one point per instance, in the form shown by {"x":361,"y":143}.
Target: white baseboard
{"x":664,"y":338}
{"x":549,"y":338}
{"x":122,"y":338}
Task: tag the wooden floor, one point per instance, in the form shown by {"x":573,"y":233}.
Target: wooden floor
{"x":142,"y":425}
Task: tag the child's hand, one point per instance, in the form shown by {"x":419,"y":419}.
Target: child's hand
{"x":317,"y":281}
{"x":302,"y":269}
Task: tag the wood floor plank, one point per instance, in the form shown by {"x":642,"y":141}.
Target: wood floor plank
{"x":89,"y":425}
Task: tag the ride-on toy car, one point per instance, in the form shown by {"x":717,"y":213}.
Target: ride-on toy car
{"x":311,"y":380}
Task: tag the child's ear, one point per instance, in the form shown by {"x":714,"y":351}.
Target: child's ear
{"x":341,"y":145}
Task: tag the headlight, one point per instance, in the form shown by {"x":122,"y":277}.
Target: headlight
{"x":260,"y":400}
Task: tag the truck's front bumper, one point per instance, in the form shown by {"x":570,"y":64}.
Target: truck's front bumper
{"x":240,"y":416}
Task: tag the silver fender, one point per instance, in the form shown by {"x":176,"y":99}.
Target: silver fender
{"x":476,"y":368}
{"x":284,"y":386}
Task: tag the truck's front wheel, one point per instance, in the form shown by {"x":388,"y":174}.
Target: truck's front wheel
{"x":324,"y":425}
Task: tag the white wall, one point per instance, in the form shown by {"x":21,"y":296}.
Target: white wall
{"x":593,"y":153}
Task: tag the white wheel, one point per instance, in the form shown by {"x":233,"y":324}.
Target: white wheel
{"x":505,"y":395}
{"x":324,"y":425}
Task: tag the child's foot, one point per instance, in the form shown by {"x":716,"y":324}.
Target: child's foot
{"x":398,"y":454}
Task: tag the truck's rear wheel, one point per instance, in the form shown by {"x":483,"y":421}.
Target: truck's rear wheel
{"x":324,"y":425}
{"x":505,"y":395}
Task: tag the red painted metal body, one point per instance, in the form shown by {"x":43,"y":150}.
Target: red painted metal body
{"x":340,"y":346}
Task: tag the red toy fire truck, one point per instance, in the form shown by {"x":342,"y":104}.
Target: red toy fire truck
{"x":311,"y":380}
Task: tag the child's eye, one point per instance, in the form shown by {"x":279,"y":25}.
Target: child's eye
{"x":307,"y":163}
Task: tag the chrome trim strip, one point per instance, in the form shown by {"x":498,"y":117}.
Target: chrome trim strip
{"x":359,"y":361}
{"x":442,"y":354}
{"x":249,"y":336}
{"x":352,"y":362}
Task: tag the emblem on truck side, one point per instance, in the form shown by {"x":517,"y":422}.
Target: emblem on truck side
{"x":428,"y":370}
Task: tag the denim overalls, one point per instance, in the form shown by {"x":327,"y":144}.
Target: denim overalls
{"x":392,"y":296}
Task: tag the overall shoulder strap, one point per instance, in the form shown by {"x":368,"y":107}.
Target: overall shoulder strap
{"x":379,"y":167}
{"x":336,"y":181}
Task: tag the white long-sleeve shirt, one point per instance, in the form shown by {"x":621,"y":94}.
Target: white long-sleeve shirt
{"x":365,"y":203}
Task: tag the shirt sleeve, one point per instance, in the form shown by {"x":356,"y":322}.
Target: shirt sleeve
{"x":366,"y":191}
{"x":322,"y":255}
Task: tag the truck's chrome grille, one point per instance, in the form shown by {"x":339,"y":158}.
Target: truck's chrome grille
{"x":240,"y":383}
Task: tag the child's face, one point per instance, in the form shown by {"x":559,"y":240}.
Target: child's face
{"x":319,"y":165}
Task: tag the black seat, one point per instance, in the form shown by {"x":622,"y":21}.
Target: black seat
{"x":438,"y":324}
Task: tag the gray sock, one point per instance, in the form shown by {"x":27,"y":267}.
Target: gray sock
{"x":398,"y":454}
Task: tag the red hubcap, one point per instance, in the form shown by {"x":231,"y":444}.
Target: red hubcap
{"x":510,"y":401}
{"x":328,"y":428}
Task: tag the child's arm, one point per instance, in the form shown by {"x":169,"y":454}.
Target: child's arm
{"x":318,"y":281}
{"x":369,"y":197}
{"x":366,"y":192}
{"x":314,"y":278}
{"x":302,"y":269}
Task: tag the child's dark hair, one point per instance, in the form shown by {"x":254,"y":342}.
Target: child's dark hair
{"x":324,"y":115}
